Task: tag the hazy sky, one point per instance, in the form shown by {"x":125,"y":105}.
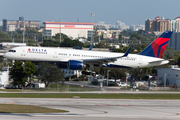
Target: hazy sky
{"x":108,"y":11}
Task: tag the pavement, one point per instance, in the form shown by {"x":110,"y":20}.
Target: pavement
{"x":118,"y":91}
{"x":97,"y":109}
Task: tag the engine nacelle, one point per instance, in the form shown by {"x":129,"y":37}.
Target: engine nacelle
{"x":76,"y":65}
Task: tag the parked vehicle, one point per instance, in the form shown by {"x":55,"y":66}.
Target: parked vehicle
{"x":122,"y":84}
{"x":110,"y":49}
{"x":38,"y":85}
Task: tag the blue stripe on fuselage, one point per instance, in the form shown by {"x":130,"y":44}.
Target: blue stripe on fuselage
{"x":116,"y":66}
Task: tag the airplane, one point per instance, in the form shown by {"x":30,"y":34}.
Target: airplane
{"x":79,"y":59}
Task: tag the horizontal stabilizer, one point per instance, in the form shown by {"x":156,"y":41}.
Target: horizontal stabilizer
{"x":159,"y":62}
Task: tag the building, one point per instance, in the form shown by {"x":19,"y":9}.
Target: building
{"x":121,"y":25}
{"x":4,"y":75}
{"x":161,"y":25}
{"x":137,"y":27}
{"x":102,"y":26}
{"x":109,"y":34}
{"x":12,"y":25}
{"x":174,"y":41}
{"x":71,"y":29}
{"x":170,"y":76}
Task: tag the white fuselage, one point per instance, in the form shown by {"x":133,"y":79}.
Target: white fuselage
{"x":64,"y":55}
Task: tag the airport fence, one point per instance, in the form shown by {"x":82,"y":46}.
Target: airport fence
{"x":159,"y":88}
{"x":53,"y":87}
{"x":90,"y":89}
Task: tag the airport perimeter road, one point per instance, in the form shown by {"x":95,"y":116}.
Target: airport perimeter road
{"x":97,"y":92}
{"x":97,"y":109}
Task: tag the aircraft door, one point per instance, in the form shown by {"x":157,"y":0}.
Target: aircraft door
{"x":140,"y":61}
{"x":23,"y":53}
{"x":55,"y":55}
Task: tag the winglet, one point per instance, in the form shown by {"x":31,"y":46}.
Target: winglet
{"x":91,"y":47}
{"x":127,"y":52}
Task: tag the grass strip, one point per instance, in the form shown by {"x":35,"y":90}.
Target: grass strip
{"x":91,"y":95}
{"x":12,"y":108}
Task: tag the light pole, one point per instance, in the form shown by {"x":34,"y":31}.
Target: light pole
{"x":24,"y":31}
{"x":126,"y":79}
{"x":92,"y":28}
{"x":60,"y":32}
{"x":42,"y":37}
{"x":107,"y":76}
{"x":164,"y":81}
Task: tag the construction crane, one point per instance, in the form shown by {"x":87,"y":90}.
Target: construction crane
{"x":134,"y":25}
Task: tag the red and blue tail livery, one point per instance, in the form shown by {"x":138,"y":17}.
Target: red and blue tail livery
{"x":157,"y":47}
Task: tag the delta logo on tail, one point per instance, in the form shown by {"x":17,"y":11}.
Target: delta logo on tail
{"x":157,"y":47}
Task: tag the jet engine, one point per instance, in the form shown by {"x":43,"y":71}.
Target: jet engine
{"x":75,"y":64}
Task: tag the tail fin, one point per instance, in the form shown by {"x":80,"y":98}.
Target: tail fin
{"x":157,"y":47}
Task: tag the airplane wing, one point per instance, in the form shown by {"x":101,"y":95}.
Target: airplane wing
{"x":106,"y":60}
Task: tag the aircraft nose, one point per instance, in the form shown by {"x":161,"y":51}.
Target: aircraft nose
{"x":5,"y":55}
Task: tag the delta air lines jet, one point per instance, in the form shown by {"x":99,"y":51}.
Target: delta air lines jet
{"x":78,"y":59}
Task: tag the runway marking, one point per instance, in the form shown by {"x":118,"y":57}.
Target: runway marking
{"x":112,"y":105}
{"x":153,"y":110}
{"x":77,"y":107}
{"x":10,"y":103}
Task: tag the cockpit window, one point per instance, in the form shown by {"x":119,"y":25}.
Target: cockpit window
{"x":12,"y":51}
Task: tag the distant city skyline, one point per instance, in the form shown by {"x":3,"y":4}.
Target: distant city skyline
{"x":109,"y":11}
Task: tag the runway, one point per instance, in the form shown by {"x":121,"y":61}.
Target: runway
{"x":97,"y":109}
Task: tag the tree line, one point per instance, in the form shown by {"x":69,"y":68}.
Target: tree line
{"x":24,"y":73}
